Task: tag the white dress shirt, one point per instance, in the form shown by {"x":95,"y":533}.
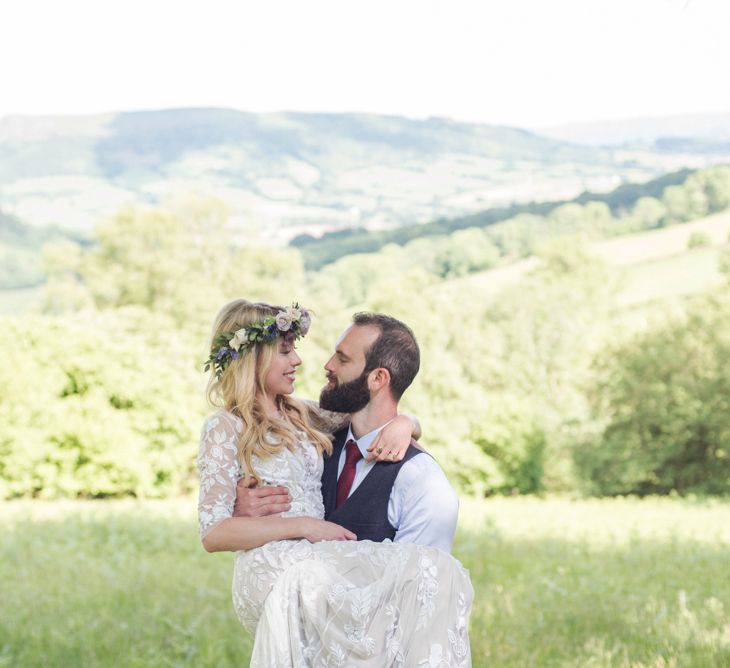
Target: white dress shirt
{"x":423,"y":507}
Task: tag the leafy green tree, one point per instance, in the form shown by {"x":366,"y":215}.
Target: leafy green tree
{"x":685,"y":202}
{"x":699,"y":240}
{"x":590,"y":220}
{"x":648,"y":212}
{"x":185,"y":262}
{"x":715,"y":183}
{"x":110,"y":407}
{"x":724,"y":262}
{"x":661,"y":402}
{"x":465,"y":252}
{"x":513,"y":437}
{"x":518,"y":236}
{"x":547,"y":329}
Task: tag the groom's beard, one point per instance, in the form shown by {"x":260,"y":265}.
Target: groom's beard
{"x":346,"y":397}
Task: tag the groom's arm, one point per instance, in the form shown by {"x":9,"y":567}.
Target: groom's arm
{"x":423,"y":506}
{"x":254,"y":501}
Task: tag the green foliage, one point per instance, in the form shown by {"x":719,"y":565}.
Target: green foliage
{"x":648,"y":212}
{"x":20,"y":252}
{"x":724,"y":262}
{"x":107,"y":408}
{"x":464,"y":252}
{"x":715,"y":184}
{"x":506,"y":382}
{"x":704,"y":192}
{"x":661,"y":403}
{"x":183,"y":262}
{"x":516,"y":441}
{"x":699,"y":240}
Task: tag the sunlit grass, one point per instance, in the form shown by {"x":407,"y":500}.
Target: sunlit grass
{"x":598,"y":583}
{"x":558,"y":583}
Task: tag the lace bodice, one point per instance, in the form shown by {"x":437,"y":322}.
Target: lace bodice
{"x":299,"y":470}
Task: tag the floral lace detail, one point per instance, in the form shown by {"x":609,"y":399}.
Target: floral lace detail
{"x":332,"y":604}
{"x":428,"y":588}
{"x":220,"y":471}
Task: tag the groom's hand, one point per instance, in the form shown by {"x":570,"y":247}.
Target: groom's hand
{"x":252,"y":501}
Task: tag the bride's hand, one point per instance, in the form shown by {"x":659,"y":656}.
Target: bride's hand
{"x":315,"y":530}
{"x":391,"y":443}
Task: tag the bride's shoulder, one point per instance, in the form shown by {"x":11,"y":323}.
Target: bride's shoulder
{"x":223,"y":420}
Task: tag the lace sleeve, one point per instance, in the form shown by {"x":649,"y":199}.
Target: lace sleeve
{"x":325,"y":420}
{"x":219,"y":470}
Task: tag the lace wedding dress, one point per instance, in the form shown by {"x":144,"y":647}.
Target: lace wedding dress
{"x":332,"y":603}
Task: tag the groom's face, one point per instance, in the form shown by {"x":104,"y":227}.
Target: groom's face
{"x":347,"y":388}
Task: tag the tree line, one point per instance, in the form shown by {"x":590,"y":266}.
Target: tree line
{"x":542,"y":384}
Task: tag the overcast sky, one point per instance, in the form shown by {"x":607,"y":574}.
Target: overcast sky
{"x":518,"y":62}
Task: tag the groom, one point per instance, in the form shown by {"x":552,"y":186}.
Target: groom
{"x":375,"y":360}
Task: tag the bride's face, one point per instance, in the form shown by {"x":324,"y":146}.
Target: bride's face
{"x":281,"y":374}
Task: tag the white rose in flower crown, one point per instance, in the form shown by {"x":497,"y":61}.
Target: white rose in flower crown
{"x":283,"y":321}
{"x":294,"y":312}
{"x":238,"y":338}
{"x":305,"y":321}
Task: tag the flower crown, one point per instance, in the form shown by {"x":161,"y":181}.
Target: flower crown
{"x":229,"y":346}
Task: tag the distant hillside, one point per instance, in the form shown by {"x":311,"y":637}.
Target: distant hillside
{"x":286,"y":174}
{"x":319,"y":251}
{"x":20,"y":252}
{"x":656,"y":265}
{"x":711,"y":131}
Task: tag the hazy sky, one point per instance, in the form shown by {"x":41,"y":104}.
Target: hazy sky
{"x":517,"y":62}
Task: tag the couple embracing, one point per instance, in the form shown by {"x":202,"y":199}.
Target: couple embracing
{"x":355,"y":570}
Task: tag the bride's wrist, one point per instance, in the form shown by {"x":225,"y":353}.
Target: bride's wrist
{"x":299,"y":527}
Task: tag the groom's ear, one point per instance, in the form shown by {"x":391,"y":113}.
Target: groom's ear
{"x":378,"y":379}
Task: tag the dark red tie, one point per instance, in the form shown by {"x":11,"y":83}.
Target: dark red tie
{"x":344,"y":482}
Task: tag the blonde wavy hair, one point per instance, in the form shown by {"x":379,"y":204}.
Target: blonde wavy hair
{"x":241,"y":384}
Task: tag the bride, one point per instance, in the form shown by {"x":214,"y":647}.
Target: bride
{"x":311,"y":593}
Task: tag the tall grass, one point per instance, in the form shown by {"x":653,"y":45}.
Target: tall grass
{"x":558,"y":583}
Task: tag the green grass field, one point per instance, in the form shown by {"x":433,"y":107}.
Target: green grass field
{"x":558,"y":583}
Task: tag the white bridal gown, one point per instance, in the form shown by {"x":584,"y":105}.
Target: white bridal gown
{"x":332,"y":603}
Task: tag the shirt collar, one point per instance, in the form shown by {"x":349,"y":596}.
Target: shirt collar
{"x":364,"y":442}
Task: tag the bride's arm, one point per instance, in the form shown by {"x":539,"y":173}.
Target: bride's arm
{"x":219,"y":471}
{"x":246,"y":533}
{"x":391,"y":443}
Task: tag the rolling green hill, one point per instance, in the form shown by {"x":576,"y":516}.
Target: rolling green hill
{"x":286,"y":174}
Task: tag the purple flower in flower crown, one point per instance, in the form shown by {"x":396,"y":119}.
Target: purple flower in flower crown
{"x":221,"y":353}
{"x":235,"y":354}
{"x":304,"y":322}
{"x":272,"y":328}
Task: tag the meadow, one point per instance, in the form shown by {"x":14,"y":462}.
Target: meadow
{"x":558,"y":581}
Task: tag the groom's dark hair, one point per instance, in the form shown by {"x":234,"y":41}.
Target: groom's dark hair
{"x":395,"y":349}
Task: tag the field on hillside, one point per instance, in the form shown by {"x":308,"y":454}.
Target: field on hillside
{"x":651,"y":265}
{"x":625,"y":582}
